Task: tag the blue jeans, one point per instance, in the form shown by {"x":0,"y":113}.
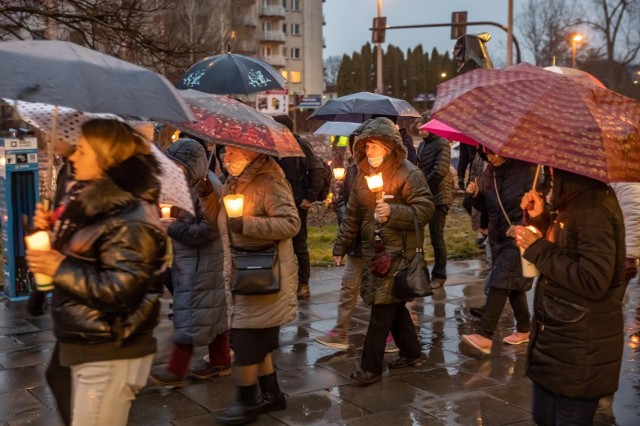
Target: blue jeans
{"x":553,"y":410}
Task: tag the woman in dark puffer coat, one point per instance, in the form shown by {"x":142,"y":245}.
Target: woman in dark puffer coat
{"x":106,"y":266}
{"x":379,"y":149}
{"x":577,"y":337}
{"x":199,"y":306}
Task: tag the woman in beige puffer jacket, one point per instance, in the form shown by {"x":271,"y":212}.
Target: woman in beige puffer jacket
{"x":269,"y":216}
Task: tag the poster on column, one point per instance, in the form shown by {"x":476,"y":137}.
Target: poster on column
{"x":273,"y":102}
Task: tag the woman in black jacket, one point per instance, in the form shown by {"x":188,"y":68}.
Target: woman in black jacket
{"x":434,"y":158}
{"x":503,"y":184}
{"x":106,"y":265}
{"x":577,"y":337}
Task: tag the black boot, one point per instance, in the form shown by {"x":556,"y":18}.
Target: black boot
{"x":246,"y":408}
{"x":272,"y":397}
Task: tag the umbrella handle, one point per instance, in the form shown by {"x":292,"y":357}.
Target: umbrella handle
{"x":525,"y":214}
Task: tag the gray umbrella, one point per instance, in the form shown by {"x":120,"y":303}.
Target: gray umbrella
{"x":361,"y":106}
{"x":69,"y":75}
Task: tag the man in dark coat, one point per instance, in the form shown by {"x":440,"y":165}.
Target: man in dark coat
{"x":434,"y":158}
{"x":306,"y":180}
{"x":577,"y":338}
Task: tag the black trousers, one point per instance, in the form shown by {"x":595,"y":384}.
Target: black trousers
{"x":301,"y":250}
{"x":384,"y":318}
{"x":436,"y":233}
{"x":496,"y":299}
{"x":59,"y":381}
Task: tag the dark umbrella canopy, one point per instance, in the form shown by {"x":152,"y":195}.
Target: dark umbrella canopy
{"x":222,"y":120}
{"x":230,"y":73}
{"x":66,"y":74}
{"x":535,"y":115}
{"x":361,"y":106}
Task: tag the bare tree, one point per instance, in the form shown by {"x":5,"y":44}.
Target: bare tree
{"x":141,"y":31}
{"x":617,"y":22}
{"x":331,"y":68}
{"x":545,"y":26}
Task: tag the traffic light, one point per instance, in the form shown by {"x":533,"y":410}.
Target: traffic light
{"x":379,"y":26}
{"x":458,"y":31}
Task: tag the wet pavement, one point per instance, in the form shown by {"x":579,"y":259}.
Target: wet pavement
{"x":454,"y":385}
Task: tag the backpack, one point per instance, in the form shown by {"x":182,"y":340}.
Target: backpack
{"x":327,"y":174}
{"x":317,"y":166}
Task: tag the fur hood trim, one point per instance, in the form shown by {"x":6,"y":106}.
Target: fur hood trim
{"x":136,"y":178}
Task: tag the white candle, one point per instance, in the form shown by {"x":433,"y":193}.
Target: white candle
{"x":40,"y":241}
{"x":374,"y":182}
{"x":338,"y":173}
{"x":166,"y":210}
{"x":234,"y":205}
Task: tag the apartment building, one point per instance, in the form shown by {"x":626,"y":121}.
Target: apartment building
{"x":288,"y":35}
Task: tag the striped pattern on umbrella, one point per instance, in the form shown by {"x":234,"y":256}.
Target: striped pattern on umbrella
{"x":531,"y":114}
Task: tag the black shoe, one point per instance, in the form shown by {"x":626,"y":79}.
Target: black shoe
{"x":403,"y":362}
{"x":437,"y":282}
{"x":477,"y":312}
{"x":245,"y":409}
{"x":364,"y":378}
{"x":272,"y":398}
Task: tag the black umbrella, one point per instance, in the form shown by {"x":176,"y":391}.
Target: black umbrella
{"x":230,"y":73}
{"x":66,"y":74}
{"x":361,"y":106}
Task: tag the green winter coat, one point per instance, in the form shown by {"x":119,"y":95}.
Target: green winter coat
{"x":408,"y":195}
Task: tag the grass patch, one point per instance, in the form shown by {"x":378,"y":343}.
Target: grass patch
{"x":460,"y":238}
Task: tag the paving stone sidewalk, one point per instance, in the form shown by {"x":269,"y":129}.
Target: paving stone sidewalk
{"x":453,"y":386}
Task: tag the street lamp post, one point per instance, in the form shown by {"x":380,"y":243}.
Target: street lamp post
{"x":379,"y":87}
{"x":510,"y":33}
{"x":575,"y":39}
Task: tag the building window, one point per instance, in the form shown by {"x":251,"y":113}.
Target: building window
{"x":295,"y":4}
{"x":295,"y":29}
{"x":295,"y":53}
{"x":296,"y":77}
{"x":285,"y":74}
{"x":284,"y":3}
{"x":266,"y":51}
{"x":284,"y":28}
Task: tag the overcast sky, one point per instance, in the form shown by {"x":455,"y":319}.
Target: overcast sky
{"x":348,"y":22}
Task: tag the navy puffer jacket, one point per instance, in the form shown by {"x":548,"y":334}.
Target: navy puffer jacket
{"x":199,"y":307}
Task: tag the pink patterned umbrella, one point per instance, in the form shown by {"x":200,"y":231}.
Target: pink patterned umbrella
{"x":224,"y":121}
{"x":534,"y":115}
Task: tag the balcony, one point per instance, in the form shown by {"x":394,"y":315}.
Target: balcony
{"x":272,"y":36}
{"x":272,"y":12}
{"x":249,"y":21}
{"x":277,"y":61}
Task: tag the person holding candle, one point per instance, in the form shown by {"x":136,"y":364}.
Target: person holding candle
{"x":405,"y":195}
{"x":577,"y":340}
{"x":106,"y":266}
{"x":199,"y":305}
{"x":269,"y":216}
{"x":498,"y":194}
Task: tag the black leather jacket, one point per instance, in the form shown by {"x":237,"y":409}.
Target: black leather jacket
{"x":107,"y":288}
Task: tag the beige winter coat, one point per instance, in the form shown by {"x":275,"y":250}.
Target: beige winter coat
{"x":270,"y":215}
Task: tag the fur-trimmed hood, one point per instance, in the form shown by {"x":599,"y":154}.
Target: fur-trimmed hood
{"x":137,"y":178}
{"x":384,"y":131}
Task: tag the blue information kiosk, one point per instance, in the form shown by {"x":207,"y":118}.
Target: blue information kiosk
{"x":18,"y":198}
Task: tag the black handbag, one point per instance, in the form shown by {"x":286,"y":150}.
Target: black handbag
{"x":252,"y":271}
{"x":412,"y":280}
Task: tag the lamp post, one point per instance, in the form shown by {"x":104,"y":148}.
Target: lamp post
{"x":510,"y":33}
{"x":379,"y":87}
{"x":575,"y":39}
